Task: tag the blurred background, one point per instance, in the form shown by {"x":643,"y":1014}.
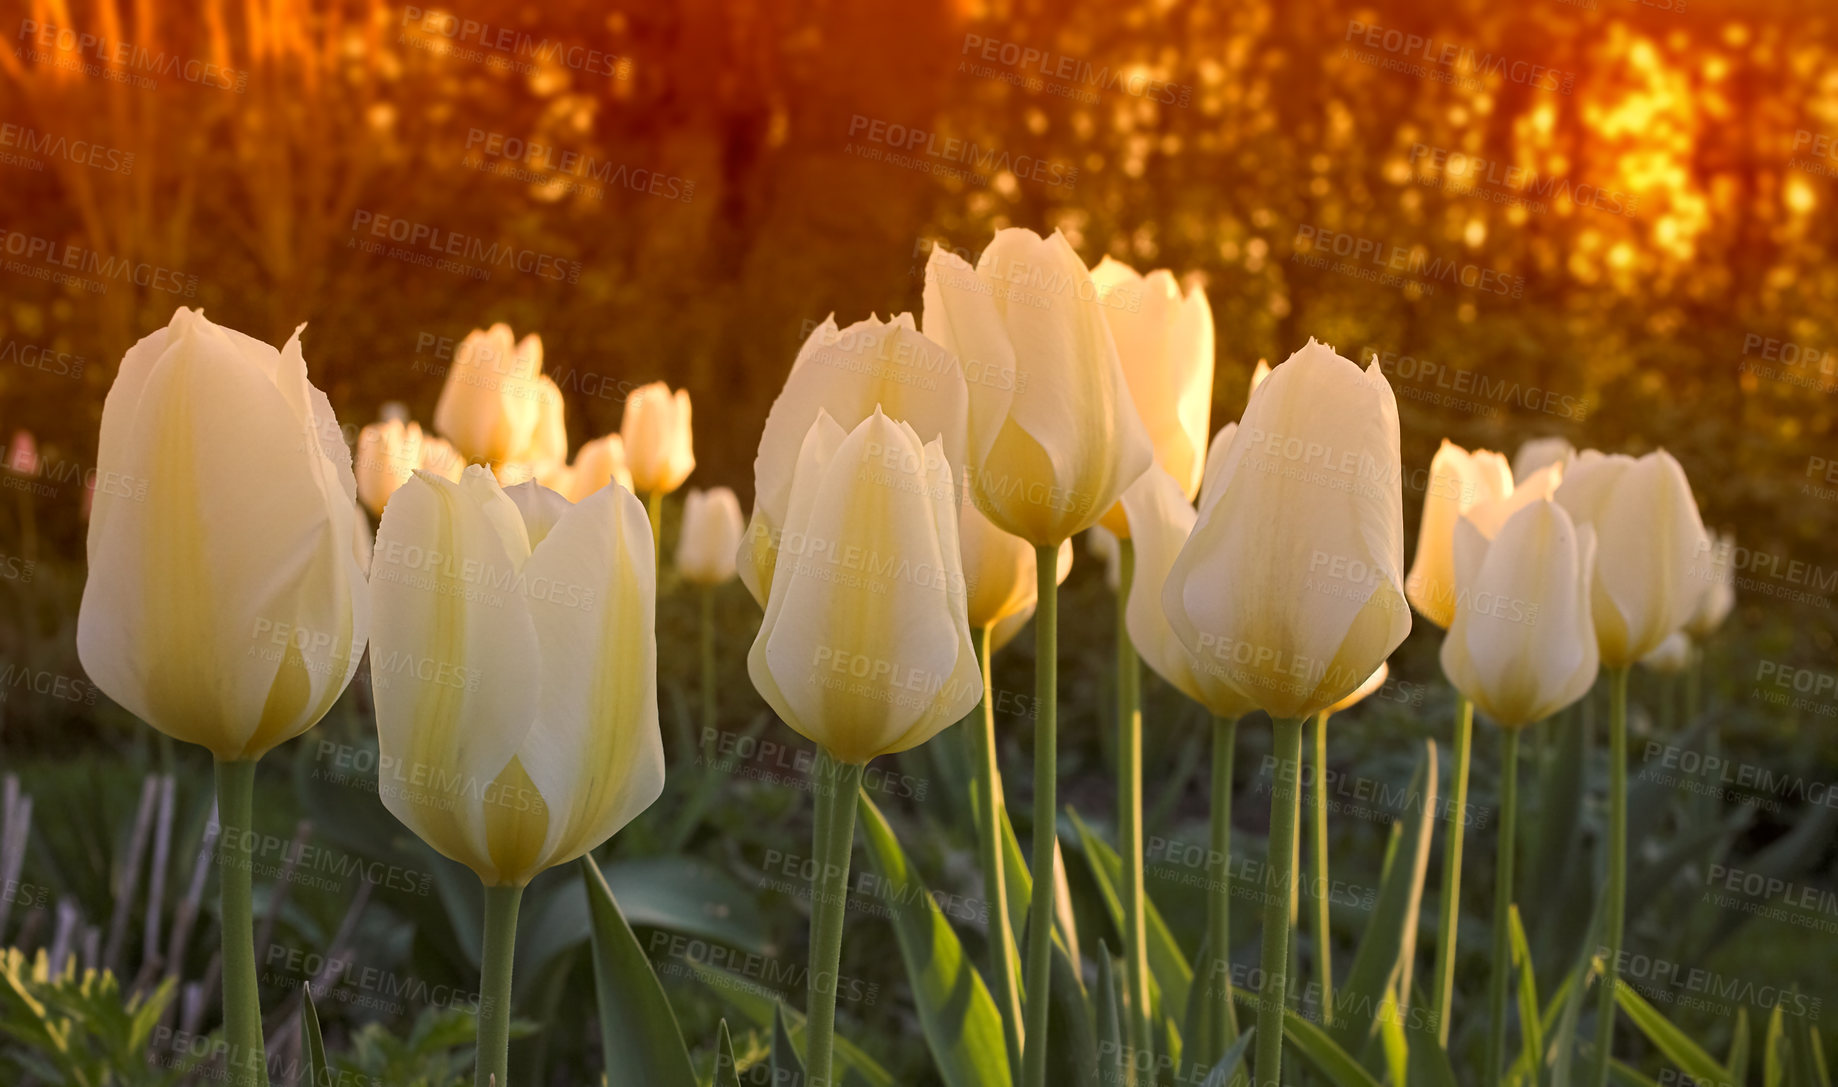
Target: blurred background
{"x":1607,"y":220}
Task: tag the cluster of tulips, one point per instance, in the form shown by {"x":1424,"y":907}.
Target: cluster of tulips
{"x":916,"y":489}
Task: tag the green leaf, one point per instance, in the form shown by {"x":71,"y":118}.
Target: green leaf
{"x":1072,"y":1056}
{"x":1530,"y":1029}
{"x":1391,"y":1040}
{"x":1627,"y":1076}
{"x":1202,"y":998}
{"x":639,"y":1036}
{"x":1319,"y":1050}
{"x":1379,"y":960}
{"x":312,"y":1041}
{"x":1229,"y":1061}
{"x":1738,"y":1061}
{"x":1429,"y":1063}
{"x":1774,"y":1051}
{"x":787,"y":1066}
{"x":1808,"y":1053}
{"x":1168,"y":969}
{"x":962,"y":1027}
{"x":1112,"y":1054}
{"x":744,"y":994}
{"x":1668,"y":1039}
{"x":727,"y":1070}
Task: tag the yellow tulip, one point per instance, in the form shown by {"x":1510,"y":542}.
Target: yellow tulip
{"x":1055,"y":438}
{"x":849,"y":374}
{"x":1458,"y":480}
{"x":1648,"y":535}
{"x":1290,"y":587}
{"x":493,"y":397}
{"x":1165,"y":344}
{"x":710,"y":537}
{"x":1522,"y":644}
{"x":596,"y":464}
{"x":1359,"y":694}
{"x":225,"y":604}
{"x":659,"y":448}
{"x":387,"y":453}
{"x":865,"y":648}
{"x":516,"y":685}
{"x":1541,"y":453}
{"x":1000,"y":575}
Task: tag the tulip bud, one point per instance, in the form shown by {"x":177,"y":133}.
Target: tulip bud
{"x":387,"y":453}
{"x":1458,"y":480}
{"x":1716,"y":567}
{"x":547,"y":441}
{"x":849,"y":375}
{"x":865,"y":648}
{"x":596,"y":464}
{"x":1102,"y":543}
{"x":439,"y":456}
{"x":1001,"y":576}
{"x":1053,"y":449}
{"x":658,"y":446}
{"x":225,"y":604}
{"x":516,"y":686}
{"x":1165,"y":344}
{"x":710,"y":536}
{"x":1539,"y":453}
{"x":1647,"y":536}
{"x":493,"y":398}
{"x":1161,"y":521}
{"x":1522,"y":643}
{"x":1258,"y":375}
{"x":1672,"y":657}
{"x":1291,"y":584}
{"x":1373,"y":682}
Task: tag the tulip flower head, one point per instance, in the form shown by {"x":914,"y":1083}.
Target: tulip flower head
{"x":706,"y":547}
{"x":1165,"y":344}
{"x":1539,"y":453}
{"x":1648,"y":535}
{"x":494,"y":396}
{"x":1259,"y":374}
{"x":596,"y":464}
{"x":225,"y":604}
{"x":659,"y":449}
{"x":515,"y":665}
{"x":1522,"y":642}
{"x":1291,"y":587}
{"x":387,"y":454}
{"x":1716,"y":567}
{"x":1001,"y":578}
{"x":1055,"y":444}
{"x":849,"y":375}
{"x":1458,"y":480}
{"x":872,"y":656}
{"x":1364,"y":690}
{"x":1672,"y":657}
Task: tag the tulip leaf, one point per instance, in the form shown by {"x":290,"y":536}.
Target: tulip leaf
{"x":1668,"y":1039}
{"x":1202,"y":998}
{"x":1021,"y":890}
{"x":1808,"y":1052}
{"x":1111,"y":1049}
{"x":1774,"y":1050}
{"x":1072,"y":1055}
{"x":1429,"y":1062}
{"x":1170,"y":975}
{"x":1626,"y":1076}
{"x":1378,"y":963}
{"x":787,"y":1066}
{"x":640,"y":1040}
{"x":1738,"y":1060}
{"x":727,"y":1070}
{"x":1392,"y":1043}
{"x":1530,"y":1028}
{"x":312,"y":1042}
{"x":1223,"y":1072}
{"x":1563,"y":889}
{"x":956,"y":1012}
{"x":745,"y":995}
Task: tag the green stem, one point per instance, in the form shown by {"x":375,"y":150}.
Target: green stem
{"x":1046,"y":808}
{"x":1278,"y":887}
{"x":708,"y":668}
{"x":1615,"y":915}
{"x":1003,"y":957}
{"x":1224,"y":1027}
{"x":837,"y":787}
{"x":498,"y":953}
{"x":242,"y":1006}
{"x":1502,"y":905}
{"x":1450,"y":921}
{"x":1129,"y":815}
{"x":654,"y":505}
{"x":1324,"y":958}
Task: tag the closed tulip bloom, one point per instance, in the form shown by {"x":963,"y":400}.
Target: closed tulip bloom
{"x":1259,"y":374}
{"x":1165,"y":343}
{"x":1522,"y":645}
{"x":1716,"y":567}
{"x":1291,"y":584}
{"x":1102,"y":543}
{"x":1212,"y":483}
{"x":439,"y":456}
{"x":547,"y":441}
{"x":849,"y":374}
{"x":1541,"y":453}
{"x":596,"y":464}
{"x":1000,"y":575}
{"x":1672,"y":657}
{"x":659,"y":450}
{"x":225,"y":604}
{"x":1458,"y":480}
{"x":1161,"y":522}
{"x":387,"y":454}
{"x":1359,"y":694}
{"x":492,"y":397}
{"x":1053,"y":449}
{"x":874,"y":656}
{"x":706,"y":547}
{"x":516,"y":686}
{"x":1647,"y":537}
